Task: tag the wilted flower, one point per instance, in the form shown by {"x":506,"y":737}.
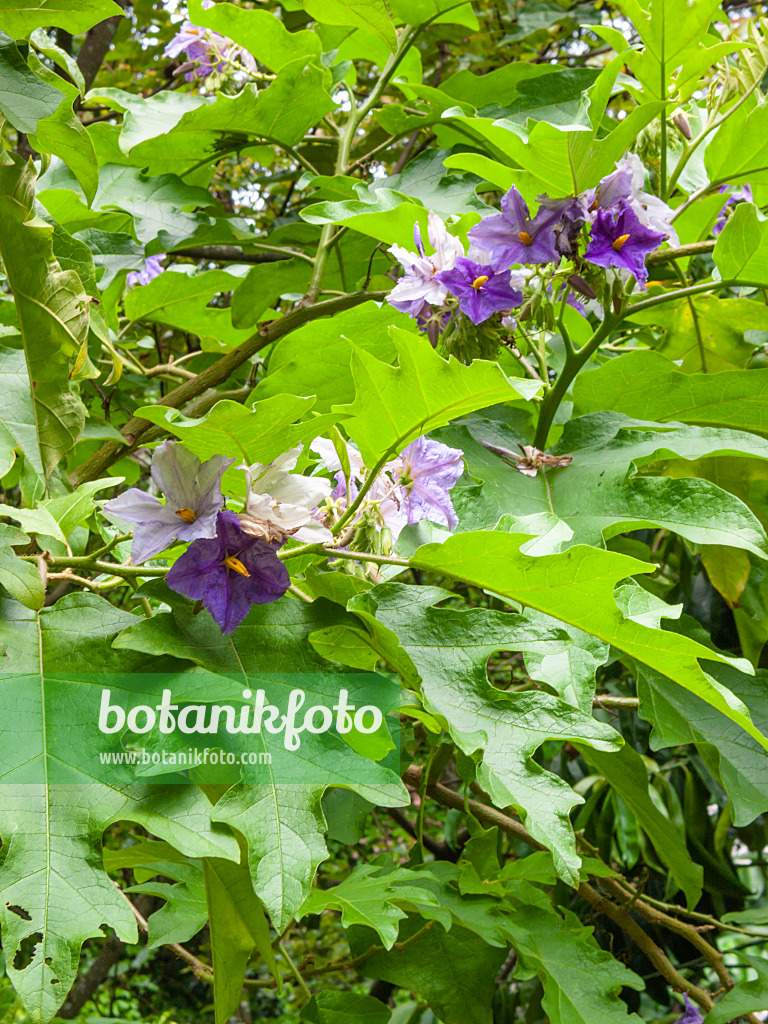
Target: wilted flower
{"x":229,"y":573}
{"x":512,"y":236}
{"x":419,"y":286}
{"x":282,"y":504}
{"x":622,"y":241}
{"x":691,"y":1014}
{"x":193,"y":499}
{"x":481,"y":290}
{"x":739,"y":195}
{"x":152,"y":268}
{"x":531,"y":460}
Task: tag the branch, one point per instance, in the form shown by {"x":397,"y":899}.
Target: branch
{"x":136,"y":428}
{"x":96,"y":46}
{"x":681,"y":253}
{"x":233,"y":254}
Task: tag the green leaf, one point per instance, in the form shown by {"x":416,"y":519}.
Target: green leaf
{"x":706,"y":333}
{"x":741,"y":153}
{"x":53,"y":313}
{"x":379,"y":212}
{"x":429,"y":968}
{"x":561,"y":159}
{"x":71,"y":510}
{"x":257,"y":434}
{"x":22,"y":580}
{"x":581,"y":981}
{"x":282,"y":821}
{"x":63,"y":134}
{"x":601,"y":493}
{"x":372,"y":898}
{"x":18,"y":428}
{"x":648,"y":386}
{"x":181,"y":300}
{"x":745,"y":997}
{"x":740,"y":251}
{"x":51,"y":835}
{"x":261,"y":32}
{"x":238,"y":929}
{"x":450,"y":649}
{"x":317,"y":358}
{"x":680,"y":717}
{"x":395,"y":405}
{"x":370,"y":15}
{"x":185,"y":910}
{"x":625,"y":772}
{"x":728,"y":571}
{"x":264,"y":285}
{"x":571,"y":671}
{"x":25,"y":98}
{"x":35,"y":520}
{"x":161,"y":207}
{"x":282,"y":113}
{"x":345,"y":1008}
{"x":577,"y":587}
{"x":73,"y":16}
{"x":677,"y":47}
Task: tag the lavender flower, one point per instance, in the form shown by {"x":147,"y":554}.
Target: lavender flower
{"x":481,"y":290}
{"x":229,"y":573}
{"x":282,"y":504}
{"x":691,"y":1014}
{"x":512,"y":236}
{"x":740,"y":195}
{"x":622,"y":242}
{"x":423,"y":475}
{"x":418,"y":288}
{"x":193,"y":499}
{"x":152,"y":268}
{"x":206,"y":51}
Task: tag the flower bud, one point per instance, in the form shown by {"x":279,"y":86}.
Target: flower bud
{"x":577,"y":282}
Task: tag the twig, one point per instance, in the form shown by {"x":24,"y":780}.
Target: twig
{"x":136,"y":428}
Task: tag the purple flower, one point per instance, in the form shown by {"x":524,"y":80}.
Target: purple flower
{"x":513,"y":237}
{"x":423,"y":475}
{"x":152,"y":268}
{"x":625,"y":185}
{"x":622,"y":242}
{"x":691,"y":1014}
{"x":193,"y":499}
{"x":229,"y":573}
{"x":206,"y":51}
{"x":741,"y":195}
{"x":481,"y":290}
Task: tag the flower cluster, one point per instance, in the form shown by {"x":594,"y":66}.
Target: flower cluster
{"x":207,"y":52}
{"x":232,"y":559}
{"x":618,"y":222}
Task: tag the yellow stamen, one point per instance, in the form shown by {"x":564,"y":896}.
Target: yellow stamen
{"x":619,"y":243}
{"x":478,"y":283}
{"x":525,"y":238}
{"x":236,"y":565}
{"x":186,"y":514}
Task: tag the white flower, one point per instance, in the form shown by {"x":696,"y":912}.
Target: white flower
{"x":282,"y":504}
{"x":418,"y":287}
